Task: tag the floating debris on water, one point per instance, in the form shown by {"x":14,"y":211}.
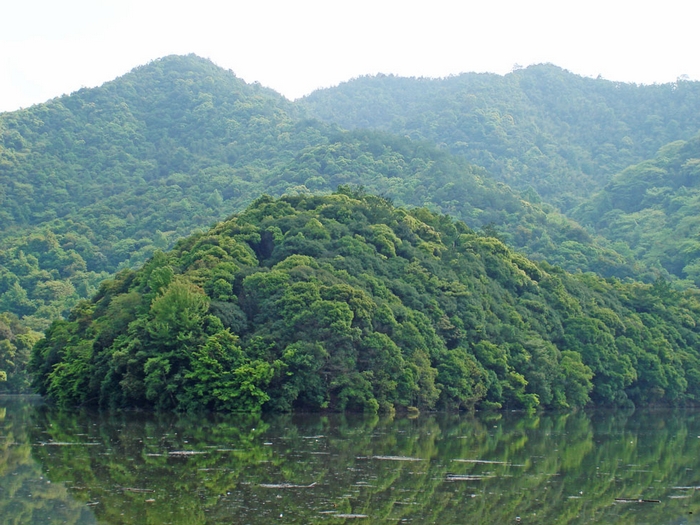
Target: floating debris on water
{"x":67,"y":444}
{"x":396,"y":458}
{"x":285,"y":486}
{"x":467,"y":477}
{"x":487,"y":461}
{"x":336,"y":514}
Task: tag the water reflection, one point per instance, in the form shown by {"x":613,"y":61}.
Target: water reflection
{"x":27,"y":495}
{"x":437,"y":468}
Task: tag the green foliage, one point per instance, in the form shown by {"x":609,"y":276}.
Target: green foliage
{"x":560,"y":138}
{"x":223,"y":378}
{"x":99,"y":180}
{"x":415,"y":174}
{"x":445,"y":318}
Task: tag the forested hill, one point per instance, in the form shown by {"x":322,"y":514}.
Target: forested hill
{"x":346,"y":302}
{"x":654,"y":208}
{"x":540,"y":127}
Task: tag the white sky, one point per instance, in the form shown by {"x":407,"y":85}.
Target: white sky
{"x":52,"y":47}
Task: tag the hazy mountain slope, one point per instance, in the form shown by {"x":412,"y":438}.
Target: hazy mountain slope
{"x":540,"y":127}
{"x":654,"y":208}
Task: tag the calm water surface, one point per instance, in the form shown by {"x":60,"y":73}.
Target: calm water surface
{"x":601,"y":467}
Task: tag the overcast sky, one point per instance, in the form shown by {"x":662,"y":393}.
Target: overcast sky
{"x":52,"y":47}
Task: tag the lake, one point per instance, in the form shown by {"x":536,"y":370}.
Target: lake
{"x":631,"y":467}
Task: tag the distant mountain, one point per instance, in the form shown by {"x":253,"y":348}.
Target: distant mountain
{"x":417,"y":174}
{"x":157,"y":128}
{"x":541,"y":127}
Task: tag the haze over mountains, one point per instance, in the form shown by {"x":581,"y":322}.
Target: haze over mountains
{"x":101,"y":179}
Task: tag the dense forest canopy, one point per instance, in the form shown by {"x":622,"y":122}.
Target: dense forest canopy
{"x":545,"y":130}
{"x":346,"y":302}
{"x":102,"y":178}
{"x":417,"y":174}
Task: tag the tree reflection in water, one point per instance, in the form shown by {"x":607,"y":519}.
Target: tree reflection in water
{"x":437,"y":468}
